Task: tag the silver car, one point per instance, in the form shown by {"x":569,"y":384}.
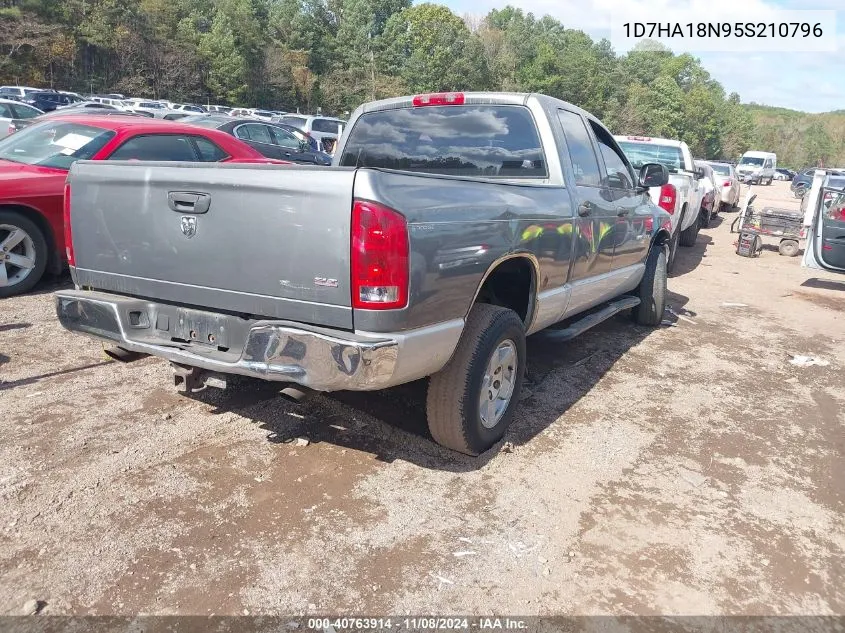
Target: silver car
{"x":11,"y":109}
{"x":727,"y":184}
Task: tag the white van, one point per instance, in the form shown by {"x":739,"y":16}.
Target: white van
{"x":757,"y":167}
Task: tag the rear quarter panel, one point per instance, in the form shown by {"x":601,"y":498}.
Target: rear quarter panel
{"x":459,"y":229}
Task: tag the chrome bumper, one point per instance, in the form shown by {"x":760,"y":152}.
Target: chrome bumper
{"x":273,"y":350}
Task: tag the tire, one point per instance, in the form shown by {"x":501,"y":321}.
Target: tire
{"x":15,"y":280}
{"x":689,"y":234}
{"x":704,"y":218}
{"x":454,"y":393}
{"x":673,"y":250}
{"x":788,"y":248}
{"x":652,"y":289}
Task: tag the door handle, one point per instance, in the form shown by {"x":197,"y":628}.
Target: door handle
{"x":188,"y":202}
{"x":586,"y":208}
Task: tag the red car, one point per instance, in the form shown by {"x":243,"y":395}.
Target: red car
{"x":34,"y":164}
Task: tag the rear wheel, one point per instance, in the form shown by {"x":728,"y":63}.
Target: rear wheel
{"x":471,"y":401}
{"x":689,"y":234}
{"x":652,"y":289}
{"x":23,"y":254}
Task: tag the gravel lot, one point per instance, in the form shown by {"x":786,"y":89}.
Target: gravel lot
{"x":686,"y":470}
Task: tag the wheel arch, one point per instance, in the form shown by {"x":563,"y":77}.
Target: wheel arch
{"x":661,"y":238}
{"x":521,"y":297}
{"x":54,"y":263}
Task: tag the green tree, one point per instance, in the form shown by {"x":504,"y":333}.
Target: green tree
{"x":424,"y":44}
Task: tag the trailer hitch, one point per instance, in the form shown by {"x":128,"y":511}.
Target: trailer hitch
{"x":188,"y":379}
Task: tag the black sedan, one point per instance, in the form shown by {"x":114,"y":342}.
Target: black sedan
{"x":273,"y":140}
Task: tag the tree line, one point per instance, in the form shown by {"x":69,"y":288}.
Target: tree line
{"x":335,"y":54}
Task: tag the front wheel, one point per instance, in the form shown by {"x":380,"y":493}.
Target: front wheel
{"x":652,"y":289}
{"x":23,"y":254}
{"x":471,"y":401}
{"x":673,"y":249}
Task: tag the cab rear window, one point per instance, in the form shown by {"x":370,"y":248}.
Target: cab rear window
{"x":490,"y":141}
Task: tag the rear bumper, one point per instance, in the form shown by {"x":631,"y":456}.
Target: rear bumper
{"x":318,"y":358}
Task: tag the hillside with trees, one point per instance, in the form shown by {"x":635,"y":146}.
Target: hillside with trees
{"x":334,"y":54}
{"x":800,"y":139}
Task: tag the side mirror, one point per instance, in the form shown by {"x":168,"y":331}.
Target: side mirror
{"x":653,"y":175}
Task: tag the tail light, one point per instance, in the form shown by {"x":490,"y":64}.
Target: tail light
{"x":648,"y":225}
{"x":71,"y":260}
{"x":439,"y":98}
{"x":12,"y":129}
{"x":379,"y":260}
{"x":727,"y":183}
{"x":668,"y":196}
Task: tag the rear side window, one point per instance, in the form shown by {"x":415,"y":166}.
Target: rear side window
{"x":254,"y":132}
{"x":284,"y":138}
{"x":585,"y":164}
{"x":491,"y":141}
{"x":24,"y":111}
{"x":325,"y":125}
{"x":6,"y":111}
{"x":208,"y":151}
{"x":164,"y":147}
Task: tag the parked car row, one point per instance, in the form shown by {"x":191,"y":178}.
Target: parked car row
{"x":33,"y":168}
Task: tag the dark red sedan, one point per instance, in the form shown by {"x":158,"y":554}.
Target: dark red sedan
{"x":34,"y":164}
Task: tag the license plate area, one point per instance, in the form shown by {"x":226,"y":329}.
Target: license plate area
{"x":203,"y":328}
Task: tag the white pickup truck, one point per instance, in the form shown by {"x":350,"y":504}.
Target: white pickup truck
{"x":682,"y":195}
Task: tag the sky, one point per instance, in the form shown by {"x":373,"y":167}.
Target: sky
{"x":807,"y":81}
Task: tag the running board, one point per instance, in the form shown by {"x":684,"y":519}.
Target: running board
{"x":591,"y":320}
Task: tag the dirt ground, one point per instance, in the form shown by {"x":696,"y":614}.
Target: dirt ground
{"x":685,"y":470}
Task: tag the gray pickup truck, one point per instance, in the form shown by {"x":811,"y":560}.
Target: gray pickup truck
{"x":449,"y":228}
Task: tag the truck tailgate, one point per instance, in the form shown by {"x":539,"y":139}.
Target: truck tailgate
{"x":264,"y":240}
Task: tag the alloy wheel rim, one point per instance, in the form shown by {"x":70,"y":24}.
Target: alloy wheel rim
{"x":17,"y":255}
{"x":498,"y":384}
